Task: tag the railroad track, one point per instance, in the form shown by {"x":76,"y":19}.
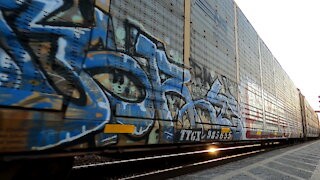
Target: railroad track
{"x":167,"y":165}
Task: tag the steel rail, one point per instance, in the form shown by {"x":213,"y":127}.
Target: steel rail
{"x":162,"y":156}
{"x":192,"y":165}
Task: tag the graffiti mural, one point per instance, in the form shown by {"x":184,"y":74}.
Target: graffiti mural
{"x":61,"y":56}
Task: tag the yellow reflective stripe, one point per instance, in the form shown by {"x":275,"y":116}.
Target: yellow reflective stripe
{"x":225,"y":130}
{"x":258,"y":132}
{"x":118,"y":128}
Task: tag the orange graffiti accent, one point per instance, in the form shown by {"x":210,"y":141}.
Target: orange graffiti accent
{"x":99,"y":115}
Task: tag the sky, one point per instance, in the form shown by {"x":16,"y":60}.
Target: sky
{"x":291,"y":30}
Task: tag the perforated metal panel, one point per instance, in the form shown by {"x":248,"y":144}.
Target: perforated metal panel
{"x":312,"y":121}
{"x":279,"y":99}
{"x":248,"y":51}
{"x":271,"y":117}
{"x":161,"y":19}
{"x":212,"y":36}
{"x":250,"y":75}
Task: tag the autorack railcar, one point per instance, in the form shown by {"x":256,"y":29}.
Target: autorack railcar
{"x":79,"y":75}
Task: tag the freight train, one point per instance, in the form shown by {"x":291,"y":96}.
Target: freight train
{"x":88,"y":75}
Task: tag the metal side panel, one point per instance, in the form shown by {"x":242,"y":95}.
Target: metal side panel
{"x":212,"y":36}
